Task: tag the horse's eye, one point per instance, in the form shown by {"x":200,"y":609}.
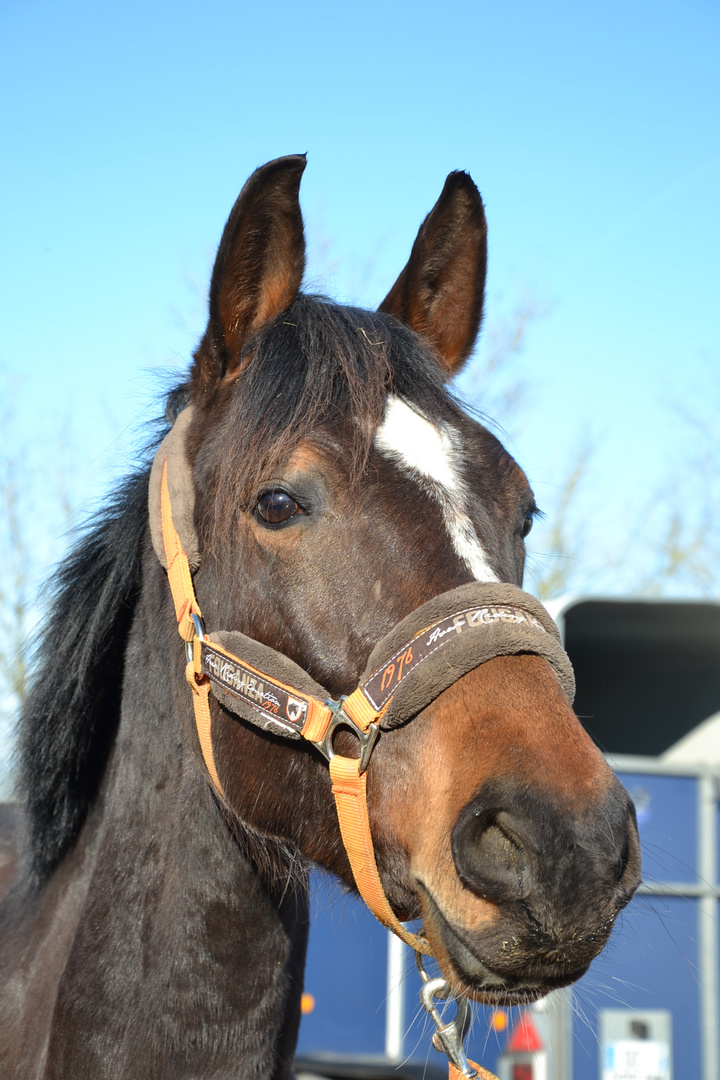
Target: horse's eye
{"x":532,"y":512}
{"x":276,"y":507}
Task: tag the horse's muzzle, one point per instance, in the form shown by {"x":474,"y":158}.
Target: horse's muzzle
{"x":557,"y":880}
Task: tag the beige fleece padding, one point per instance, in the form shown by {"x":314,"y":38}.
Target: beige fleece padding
{"x":469,"y":650}
{"x":181,"y":489}
{"x":458,"y":655}
{"x":269,"y":662}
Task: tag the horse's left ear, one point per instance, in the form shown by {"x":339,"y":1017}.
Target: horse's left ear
{"x":259,"y":265}
{"x":440,"y":292}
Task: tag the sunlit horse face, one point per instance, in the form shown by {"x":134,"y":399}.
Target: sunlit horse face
{"x":354,"y":493}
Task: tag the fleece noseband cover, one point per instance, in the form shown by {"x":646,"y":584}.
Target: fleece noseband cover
{"x":421,"y":657}
{"x":451,"y":635}
{"x":445,"y":638}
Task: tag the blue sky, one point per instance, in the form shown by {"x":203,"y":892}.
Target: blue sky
{"x":591,"y":130}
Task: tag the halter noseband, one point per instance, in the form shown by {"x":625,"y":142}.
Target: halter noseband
{"x":412,"y":665}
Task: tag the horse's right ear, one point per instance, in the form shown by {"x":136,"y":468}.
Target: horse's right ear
{"x":440,"y":292}
{"x":259,"y":266}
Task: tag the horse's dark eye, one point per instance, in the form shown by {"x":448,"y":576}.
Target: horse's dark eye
{"x":276,"y":507}
{"x":527,"y":525}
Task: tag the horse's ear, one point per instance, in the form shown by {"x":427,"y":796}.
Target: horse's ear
{"x":259,"y":264}
{"x":440,"y":292}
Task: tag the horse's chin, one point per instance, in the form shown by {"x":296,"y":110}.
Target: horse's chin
{"x":470,"y":975}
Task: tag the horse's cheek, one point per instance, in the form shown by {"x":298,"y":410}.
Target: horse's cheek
{"x":428,"y":775}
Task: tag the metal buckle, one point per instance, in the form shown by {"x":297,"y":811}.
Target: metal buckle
{"x":199,"y":634}
{"x":448,"y":1037}
{"x":340,"y":718}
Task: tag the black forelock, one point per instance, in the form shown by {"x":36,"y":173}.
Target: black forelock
{"x":319,"y":366}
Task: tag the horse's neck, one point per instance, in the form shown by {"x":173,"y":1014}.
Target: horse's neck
{"x":183,"y":963}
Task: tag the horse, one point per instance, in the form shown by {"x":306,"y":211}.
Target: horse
{"x":333,"y":502}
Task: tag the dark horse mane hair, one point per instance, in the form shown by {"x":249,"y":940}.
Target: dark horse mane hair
{"x":320,"y":362}
{"x":71,"y":713}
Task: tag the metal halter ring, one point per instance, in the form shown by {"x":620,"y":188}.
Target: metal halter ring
{"x":448,"y":1037}
{"x":199,"y":634}
{"x":341,"y":719}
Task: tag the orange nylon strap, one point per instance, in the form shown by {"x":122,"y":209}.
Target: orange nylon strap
{"x":178,"y":568}
{"x":359,"y":709}
{"x":318,"y":719}
{"x":350,"y":791}
{"x":203,"y":722}
{"x":183,"y":594}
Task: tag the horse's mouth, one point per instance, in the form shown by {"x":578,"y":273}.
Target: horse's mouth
{"x":473,"y":976}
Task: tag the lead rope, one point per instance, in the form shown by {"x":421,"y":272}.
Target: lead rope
{"x":449,"y":1036}
{"x":349,"y":786}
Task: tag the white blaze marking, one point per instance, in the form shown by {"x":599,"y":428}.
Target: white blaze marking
{"x":430,"y":454}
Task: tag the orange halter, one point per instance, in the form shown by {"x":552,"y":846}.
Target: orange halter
{"x":270,"y":702}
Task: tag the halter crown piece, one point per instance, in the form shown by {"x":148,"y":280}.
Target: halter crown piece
{"x":422,"y":656}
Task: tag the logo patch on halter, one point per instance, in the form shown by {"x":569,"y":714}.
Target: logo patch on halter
{"x":295,"y":709}
{"x":252,"y":686}
{"x":383,"y":684}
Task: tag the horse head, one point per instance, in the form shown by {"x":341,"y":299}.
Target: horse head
{"x":332,"y":487}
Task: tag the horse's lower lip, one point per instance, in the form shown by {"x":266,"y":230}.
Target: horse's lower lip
{"x":482,"y":982}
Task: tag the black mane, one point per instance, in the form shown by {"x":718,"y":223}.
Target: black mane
{"x":71,"y":713}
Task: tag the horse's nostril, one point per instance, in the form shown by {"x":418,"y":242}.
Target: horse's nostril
{"x":624,"y":859}
{"x":511,"y":845}
{"x":489,"y":854}
{"x":629,"y":866}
